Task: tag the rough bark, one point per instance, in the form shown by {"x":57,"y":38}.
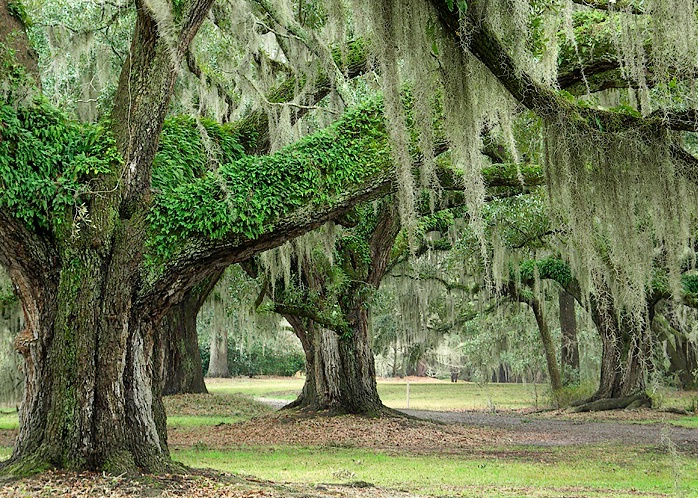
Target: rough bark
{"x":340,"y":370}
{"x":182,"y":367}
{"x":321,"y":390}
{"x":92,"y":354}
{"x":624,"y":352}
{"x":680,"y":350}
{"x":637,"y":400}
{"x":569,"y":347}
{"x":14,"y":36}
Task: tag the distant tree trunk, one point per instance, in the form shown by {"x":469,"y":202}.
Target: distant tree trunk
{"x":340,"y":369}
{"x":548,"y":345}
{"x":569,"y":346}
{"x":183,"y":371}
{"x":11,"y":378}
{"x":683,"y":360}
{"x":624,"y":352}
{"x":218,"y":361}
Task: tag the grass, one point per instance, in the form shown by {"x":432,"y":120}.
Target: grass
{"x":424,"y":395}
{"x":611,"y":470}
{"x":595,"y":471}
{"x":9,"y":420}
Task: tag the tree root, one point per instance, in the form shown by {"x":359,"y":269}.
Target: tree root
{"x":638,"y":400}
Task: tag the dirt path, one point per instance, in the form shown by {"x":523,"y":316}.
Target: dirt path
{"x":559,"y":428}
{"x":557,"y":432}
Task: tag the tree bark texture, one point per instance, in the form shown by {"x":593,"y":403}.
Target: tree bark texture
{"x":14,"y":36}
{"x":340,"y":369}
{"x":680,"y":350}
{"x":183,"y":371}
{"x":340,"y":372}
{"x":93,"y":384}
{"x":569,"y":347}
{"x":624,"y":353}
{"x":218,"y":360}
{"x":182,"y":367}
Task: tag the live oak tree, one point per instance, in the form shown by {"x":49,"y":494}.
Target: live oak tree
{"x":91,"y":258}
{"x":99,"y":246}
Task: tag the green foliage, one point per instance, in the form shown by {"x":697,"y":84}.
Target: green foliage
{"x":183,"y":156}
{"x":257,"y":360}
{"x":18,"y":11}
{"x":247,"y":195}
{"x":548,"y":268}
{"x":690,"y":283}
{"x":47,"y":162}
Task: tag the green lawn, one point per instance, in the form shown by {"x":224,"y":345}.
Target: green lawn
{"x":9,"y":420}
{"x":591,"y":471}
{"x":429,"y":395}
{"x":511,"y":471}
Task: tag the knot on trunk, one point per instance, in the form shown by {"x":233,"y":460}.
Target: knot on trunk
{"x":23,"y":342}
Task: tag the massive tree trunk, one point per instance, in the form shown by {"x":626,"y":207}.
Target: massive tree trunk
{"x":340,"y":372}
{"x":92,"y":398}
{"x":93,"y":387}
{"x":321,"y":390}
{"x":569,"y":346}
{"x":340,"y":369}
{"x":625,"y":342}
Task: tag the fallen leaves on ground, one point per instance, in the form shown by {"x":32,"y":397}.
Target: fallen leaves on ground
{"x":349,"y":431}
{"x":215,"y":405}
{"x":197,"y":485}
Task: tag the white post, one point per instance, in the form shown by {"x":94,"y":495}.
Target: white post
{"x":408,"y":393}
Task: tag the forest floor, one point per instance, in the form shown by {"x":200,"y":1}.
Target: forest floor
{"x":521,"y":452}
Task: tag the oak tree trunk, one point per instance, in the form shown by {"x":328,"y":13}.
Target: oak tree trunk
{"x":218,"y":360}
{"x":548,"y":345}
{"x":92,"y":349}
{"x":569,"y":346}
{"x":182,"y":367}
{"x":340,"y":369}
{"x":183,"y":371}
{"x":340,"y":372}
{"x":92,"y":397}
{"x":624,"y":353}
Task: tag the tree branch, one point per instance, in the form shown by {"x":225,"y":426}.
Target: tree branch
{"x":484,"y":44}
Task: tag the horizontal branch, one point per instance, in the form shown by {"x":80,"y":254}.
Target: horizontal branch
{"x":304,"y":312}
{"x":484,"y":44}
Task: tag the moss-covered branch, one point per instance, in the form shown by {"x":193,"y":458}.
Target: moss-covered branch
{"x":486,"y":46}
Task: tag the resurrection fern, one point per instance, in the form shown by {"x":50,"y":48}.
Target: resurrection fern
{"x":47,"y":162}
{"x":246,"y":196}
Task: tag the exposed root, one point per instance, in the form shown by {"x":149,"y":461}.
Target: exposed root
{"x":639,"y":400}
